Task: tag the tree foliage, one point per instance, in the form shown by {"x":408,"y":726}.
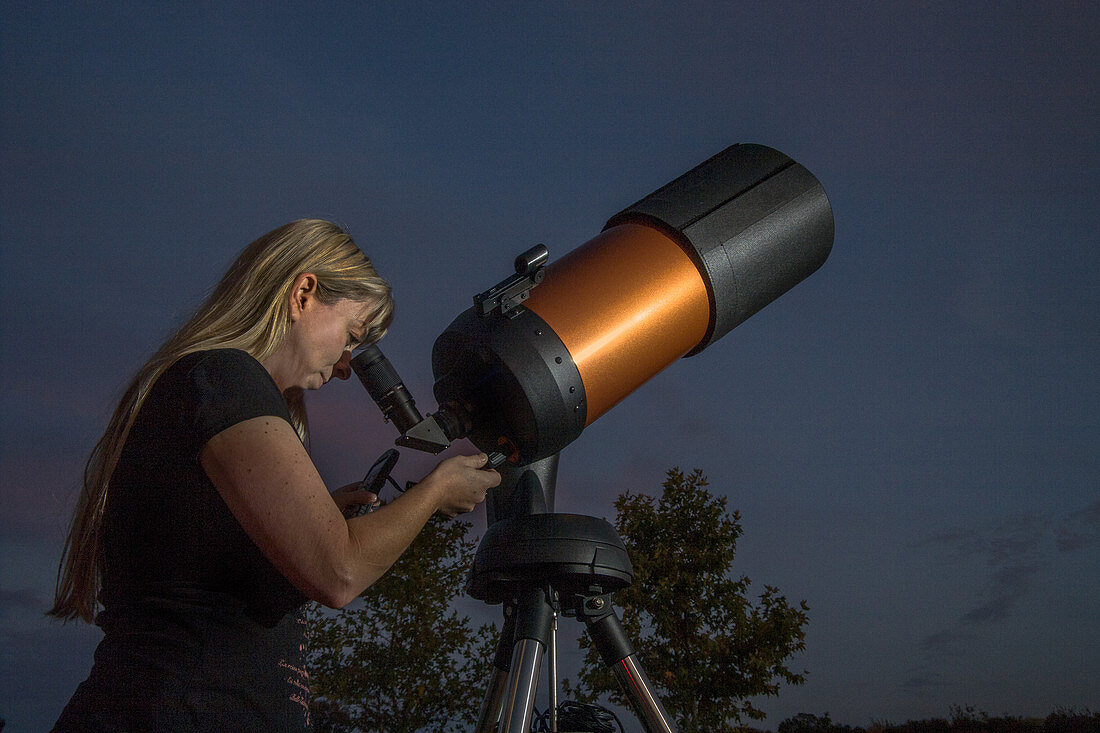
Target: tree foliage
{"x":809,"y":723}
{"x":963,"y":720}
{"x":401,"y":658}
{"x":706,"y":646}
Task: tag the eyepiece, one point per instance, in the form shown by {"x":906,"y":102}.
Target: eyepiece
{"x":386,"y":388}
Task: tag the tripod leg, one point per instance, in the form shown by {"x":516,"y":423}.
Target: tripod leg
{"x":493,"y":703}
{"x":632,"y":678}
{"x":533,"y":616}
{"x":609,"y":637}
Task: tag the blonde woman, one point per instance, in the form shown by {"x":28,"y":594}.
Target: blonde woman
{"x":204,"y":527}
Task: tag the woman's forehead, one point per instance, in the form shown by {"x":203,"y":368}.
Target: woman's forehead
{"x":358,"y":311}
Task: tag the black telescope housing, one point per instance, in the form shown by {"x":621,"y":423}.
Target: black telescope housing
{"x":551,"y":348}
{"x":755,"y":222}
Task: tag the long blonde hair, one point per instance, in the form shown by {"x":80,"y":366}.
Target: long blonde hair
{"x":248,"y":310}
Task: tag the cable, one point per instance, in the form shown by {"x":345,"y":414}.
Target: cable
{"x":578,"y":716}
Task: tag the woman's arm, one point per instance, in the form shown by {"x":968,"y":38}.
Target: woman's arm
{"x":269,"y":482}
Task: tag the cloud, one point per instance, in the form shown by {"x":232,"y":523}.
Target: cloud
{"x":1080,"y":530}
{"x":1010,"y":584}
{"x":1016,"y":549}
{"x":1016,"y":538}
{"x":920,"y":681}
{"x":942,"y":639}
{"x":1006,"y":542}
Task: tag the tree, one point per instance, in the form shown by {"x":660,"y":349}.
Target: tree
{"x":705,"y":645}
{"x":809,"y":723}
{"x":400,"y":658}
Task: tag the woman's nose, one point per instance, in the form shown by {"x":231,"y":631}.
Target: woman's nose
{"x":343,"y":367}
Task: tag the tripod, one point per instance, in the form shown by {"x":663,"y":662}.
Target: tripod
{"x":536,"y":563}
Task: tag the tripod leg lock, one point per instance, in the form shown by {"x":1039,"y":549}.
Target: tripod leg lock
{"x":604,"y":626}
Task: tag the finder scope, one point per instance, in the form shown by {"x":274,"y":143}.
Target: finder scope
{"x":553,"y":347}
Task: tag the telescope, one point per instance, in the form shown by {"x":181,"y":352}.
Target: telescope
{"x":556,"y":345}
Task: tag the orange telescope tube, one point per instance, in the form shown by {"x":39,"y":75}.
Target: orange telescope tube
{"x":625,"y":305}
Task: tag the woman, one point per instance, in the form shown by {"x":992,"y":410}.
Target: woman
{"x":204,"y":527}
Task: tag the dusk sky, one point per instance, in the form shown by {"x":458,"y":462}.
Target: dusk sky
{"x":912,"y":435}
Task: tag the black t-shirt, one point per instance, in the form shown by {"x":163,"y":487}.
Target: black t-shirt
{"x":202,"y":632}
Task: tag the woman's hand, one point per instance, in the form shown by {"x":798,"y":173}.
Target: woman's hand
{"x":460,"y":483}
{"x":351,"y":499}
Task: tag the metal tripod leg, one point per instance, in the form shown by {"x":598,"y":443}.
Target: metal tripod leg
{"x":610,"y":638}
{"x":509,"y":707}
{"x":493,"y":703}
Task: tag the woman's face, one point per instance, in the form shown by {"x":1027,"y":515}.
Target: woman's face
{"x":318,"y":344}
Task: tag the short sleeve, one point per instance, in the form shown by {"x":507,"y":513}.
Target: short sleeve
{"x":227,"y":387}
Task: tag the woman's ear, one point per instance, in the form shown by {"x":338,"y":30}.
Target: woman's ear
{"x":302,"y":294}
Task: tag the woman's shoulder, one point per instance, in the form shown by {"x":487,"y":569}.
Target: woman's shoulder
{"x":219,"y":371}
{"x":219,"y":387}
{"x":232,"y":363}
{"x":217,"y":357}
